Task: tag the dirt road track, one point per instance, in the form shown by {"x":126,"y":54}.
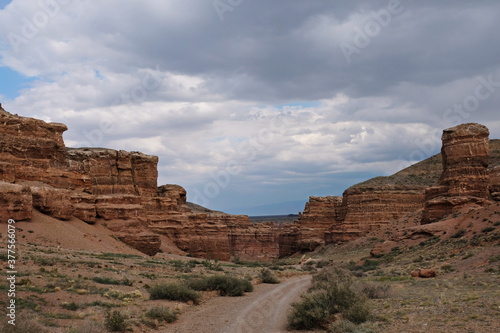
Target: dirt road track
{"x":262,"y":311}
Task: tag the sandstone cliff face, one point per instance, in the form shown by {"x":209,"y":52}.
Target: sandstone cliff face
{"x":319,"y":215}
{"x":365,"y":209}
{"x":38,"y":171}
{"x":494,"y":174}
{"x":465,"y":178}
{"x":16,"y":202}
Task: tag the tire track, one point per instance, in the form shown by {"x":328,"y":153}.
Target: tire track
{"x":264,"y":310}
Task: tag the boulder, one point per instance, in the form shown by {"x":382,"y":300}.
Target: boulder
{"x":16,"y":202}
{"x":147,"y":243}
{"x":424,"y":273}
{"x":53,"y":202}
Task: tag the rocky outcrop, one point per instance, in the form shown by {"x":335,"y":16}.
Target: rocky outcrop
{"x":119,"y":187}
{"x":16,"y":202}
{"x":319,"y":215}
{"x":145,"y":242}
{"x":465,"y":178}
{"x":365,"y":209}
{"x":494,"y":174}
{"x":53,"y":201}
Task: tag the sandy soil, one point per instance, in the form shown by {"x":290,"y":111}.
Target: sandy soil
{"x":264,"y":310}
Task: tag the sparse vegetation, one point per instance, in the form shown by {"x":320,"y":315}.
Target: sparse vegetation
{"x":174,"y":292}
{"x":25,"y":323}
{"x":116,"y":321}
{"x":107,"y":280}
{"x":488,"y":229}
{"x":162,"y":314}
{"x":224,"y":284}
{"x":267,"y":276}
{"x":88,"y":326}
{"x":332,"y":293}
{"x":375,"y":290}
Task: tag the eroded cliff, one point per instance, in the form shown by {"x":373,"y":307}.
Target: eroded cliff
{"x":38,"y":172}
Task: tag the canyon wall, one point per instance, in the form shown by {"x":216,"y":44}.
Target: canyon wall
{"x":436,"y":186}
{"x":38,"y":172}
{"x":120,"y":188}
{"x":365,"y":209}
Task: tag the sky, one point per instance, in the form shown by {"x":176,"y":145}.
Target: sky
{"x":255,"y":105}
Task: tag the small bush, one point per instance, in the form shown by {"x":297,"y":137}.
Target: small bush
{"x":357,"y":313}
{"x":105,"y":280}
{"x":174,"y":292}
{"x":24,"y":324}
{"x":345,"y":326}
{"x":162,"y":314}
{"x":267,"y":276}
{"x":116,"y":321}
{"x":375,"y":290}
{"x":70,"y":306}
{"x":332,"y":292}
{"x":488,"y":229}
{"x":225,"y":285}
{"x":88,"y":326}
{"x":459,"y":234}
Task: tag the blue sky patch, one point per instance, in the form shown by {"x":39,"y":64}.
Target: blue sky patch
{"x":4,"y":3}
{"x":11,"y":82}
{"x":299,"y":104}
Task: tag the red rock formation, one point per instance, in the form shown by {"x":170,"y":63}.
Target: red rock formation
{"x":494,"y":174}
{"x":15,"y":202}
{"x":53,"y":202}
{"x":145,"y":242}
{"x":465,"y":177}
{"x":104,"y":184}
{"x":365,"y":209}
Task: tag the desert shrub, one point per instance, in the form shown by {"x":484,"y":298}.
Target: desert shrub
{"x":88,"y":326}
{"x":375,"y":290}
{"x":311,"y":311}
{"x":459,"y":234}
{"x":105,"y":280}
{"x":345,"y":326}
{"x":368,"y":265}
{"x":357,"y":313}
{"x":24,"y":323}
{"x":267,"y":276}
{"x":162,"y":314}
{"x":70,"y":306}
{"x":332,"y":292}
{"x":225,"y":285}
{"x":488,"y":229}
{"x":174,"y":292}
{"x":115,"y":321}
{"x":322,"y":264}
{"x":447,"y":268}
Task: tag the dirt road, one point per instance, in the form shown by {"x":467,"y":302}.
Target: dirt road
{"x":263,"y":310}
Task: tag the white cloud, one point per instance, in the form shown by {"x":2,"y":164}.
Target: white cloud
{"x":268,"y":89}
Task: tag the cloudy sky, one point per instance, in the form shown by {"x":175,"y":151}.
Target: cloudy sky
{"x":255,"y":102}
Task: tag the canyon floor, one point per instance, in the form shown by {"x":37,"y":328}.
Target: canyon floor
{"x":71,"y":273}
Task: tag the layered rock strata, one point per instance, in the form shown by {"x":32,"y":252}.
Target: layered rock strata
{"x":96,"y":184}
{"x":319,"y":215}
{"x":465,"y":178}
{"x":365,"y":209}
